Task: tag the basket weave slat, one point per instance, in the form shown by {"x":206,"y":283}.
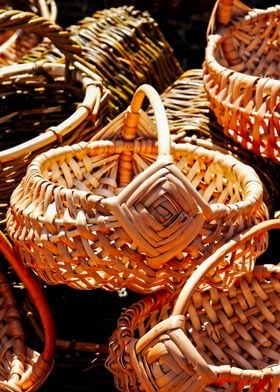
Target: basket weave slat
{"x":200,"y":338}
{"x":131,"y":211}
{"x":241,"y":75}
{"x":22,"y":368}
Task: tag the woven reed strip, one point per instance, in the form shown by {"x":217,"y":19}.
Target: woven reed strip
{"x":223,"y":340}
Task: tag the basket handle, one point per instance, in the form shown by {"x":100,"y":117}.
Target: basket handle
{"x":211,"y":262}
{"x":28,"y":21}
{"x":130,"y":129}
{"x":45,"y":363}
{"x":223,"y":12}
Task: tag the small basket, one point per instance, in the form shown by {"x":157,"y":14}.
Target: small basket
{"x":22,"y":368}
{"x":204,"y":339}
{"x":130,"y":211}
{"x":241,"y":75}
{"x":43,"y":105}
{"x":126,"y":48}
{"x":15,"y":45}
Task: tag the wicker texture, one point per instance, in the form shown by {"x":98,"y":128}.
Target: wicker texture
{"x":22,"y":368}
{"x":15,"y":45}
{"x":126,"y":48}
{"x":241,"y":70}
{"x":190,"y":118}
{"x":203,"y":339}
{"x":130,"y":211}
{"x":43,"y":104}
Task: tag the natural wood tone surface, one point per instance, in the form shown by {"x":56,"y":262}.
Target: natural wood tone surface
{"x":241,"y":75}
{"x":203,"y":339}
{"x":133,"y":210}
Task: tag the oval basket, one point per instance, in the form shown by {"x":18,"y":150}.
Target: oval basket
{"x":22,"y":368}
{"x":43,"y":105}
{"x":203,"y":339}
{"x":132,"y":211}
{"x":15,"y":44}
{"x":241,"y":75}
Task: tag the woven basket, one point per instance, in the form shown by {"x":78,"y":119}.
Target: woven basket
{"x":131,"y":212}
{"x":241,"y":75}
{"x":22,"y":368}
{"x":15,"y":45}
{"x":126,"y":48}
{"x":204,"y":339}
{"x":43,"y":104}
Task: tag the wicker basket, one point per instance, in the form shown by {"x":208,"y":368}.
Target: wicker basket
{"x":205,"y":339}
{"x":131,"y":212}
{"x":126,"y":48}
{"x":241,"y":72}
{"x":22,"y":368}
{"x":15,"y":45}
{"x":43,"y":104}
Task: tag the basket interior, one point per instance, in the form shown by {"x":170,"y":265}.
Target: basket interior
{"x":30,"y":105}
{"x":255,"y":43}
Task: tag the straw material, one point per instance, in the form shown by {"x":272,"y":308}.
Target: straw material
{"x":203,"y":339}
{"x":43,"y":105}
{"x":241,"y":70}
{"x":190,"y":117}
{"x":131,"y":211}
{"x":15,"y":44}
{"x":22,"y":368}
{"x":126,"y":48}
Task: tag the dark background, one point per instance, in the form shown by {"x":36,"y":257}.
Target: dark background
{"x":91,"y":316}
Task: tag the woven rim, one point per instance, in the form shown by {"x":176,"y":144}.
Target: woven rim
{"x":89,"y":106}
{"x":141,"y":333}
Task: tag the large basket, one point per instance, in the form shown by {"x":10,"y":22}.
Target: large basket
{"x":203,"y":339}
{"x":15,"y":44}
{"x":22,"y":368}
{"x":131,"y":212}
{"x":126,"y":48}
{"x":241,"y":75}
{"x":43,"y":105}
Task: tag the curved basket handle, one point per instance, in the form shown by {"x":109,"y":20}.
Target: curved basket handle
{"x":45,"y":362}
{"x":183,"y":300}
{"x":223,"y":12}
{"x":134,"y":110}
{"x":14,"y":20}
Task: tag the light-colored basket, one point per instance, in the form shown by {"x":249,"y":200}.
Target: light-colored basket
{"x":22,"y":368}
{"x":15,"y":44}
{"x":130,"y":211}
{"x":241,"y":75}
{"x":43,"y":105}
{"x":204,"y":339}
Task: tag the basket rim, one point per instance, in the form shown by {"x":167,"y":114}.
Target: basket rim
{"x":92,"y":98}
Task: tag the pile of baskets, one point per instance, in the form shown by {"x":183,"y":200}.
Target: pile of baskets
{"x":97,"y":193}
